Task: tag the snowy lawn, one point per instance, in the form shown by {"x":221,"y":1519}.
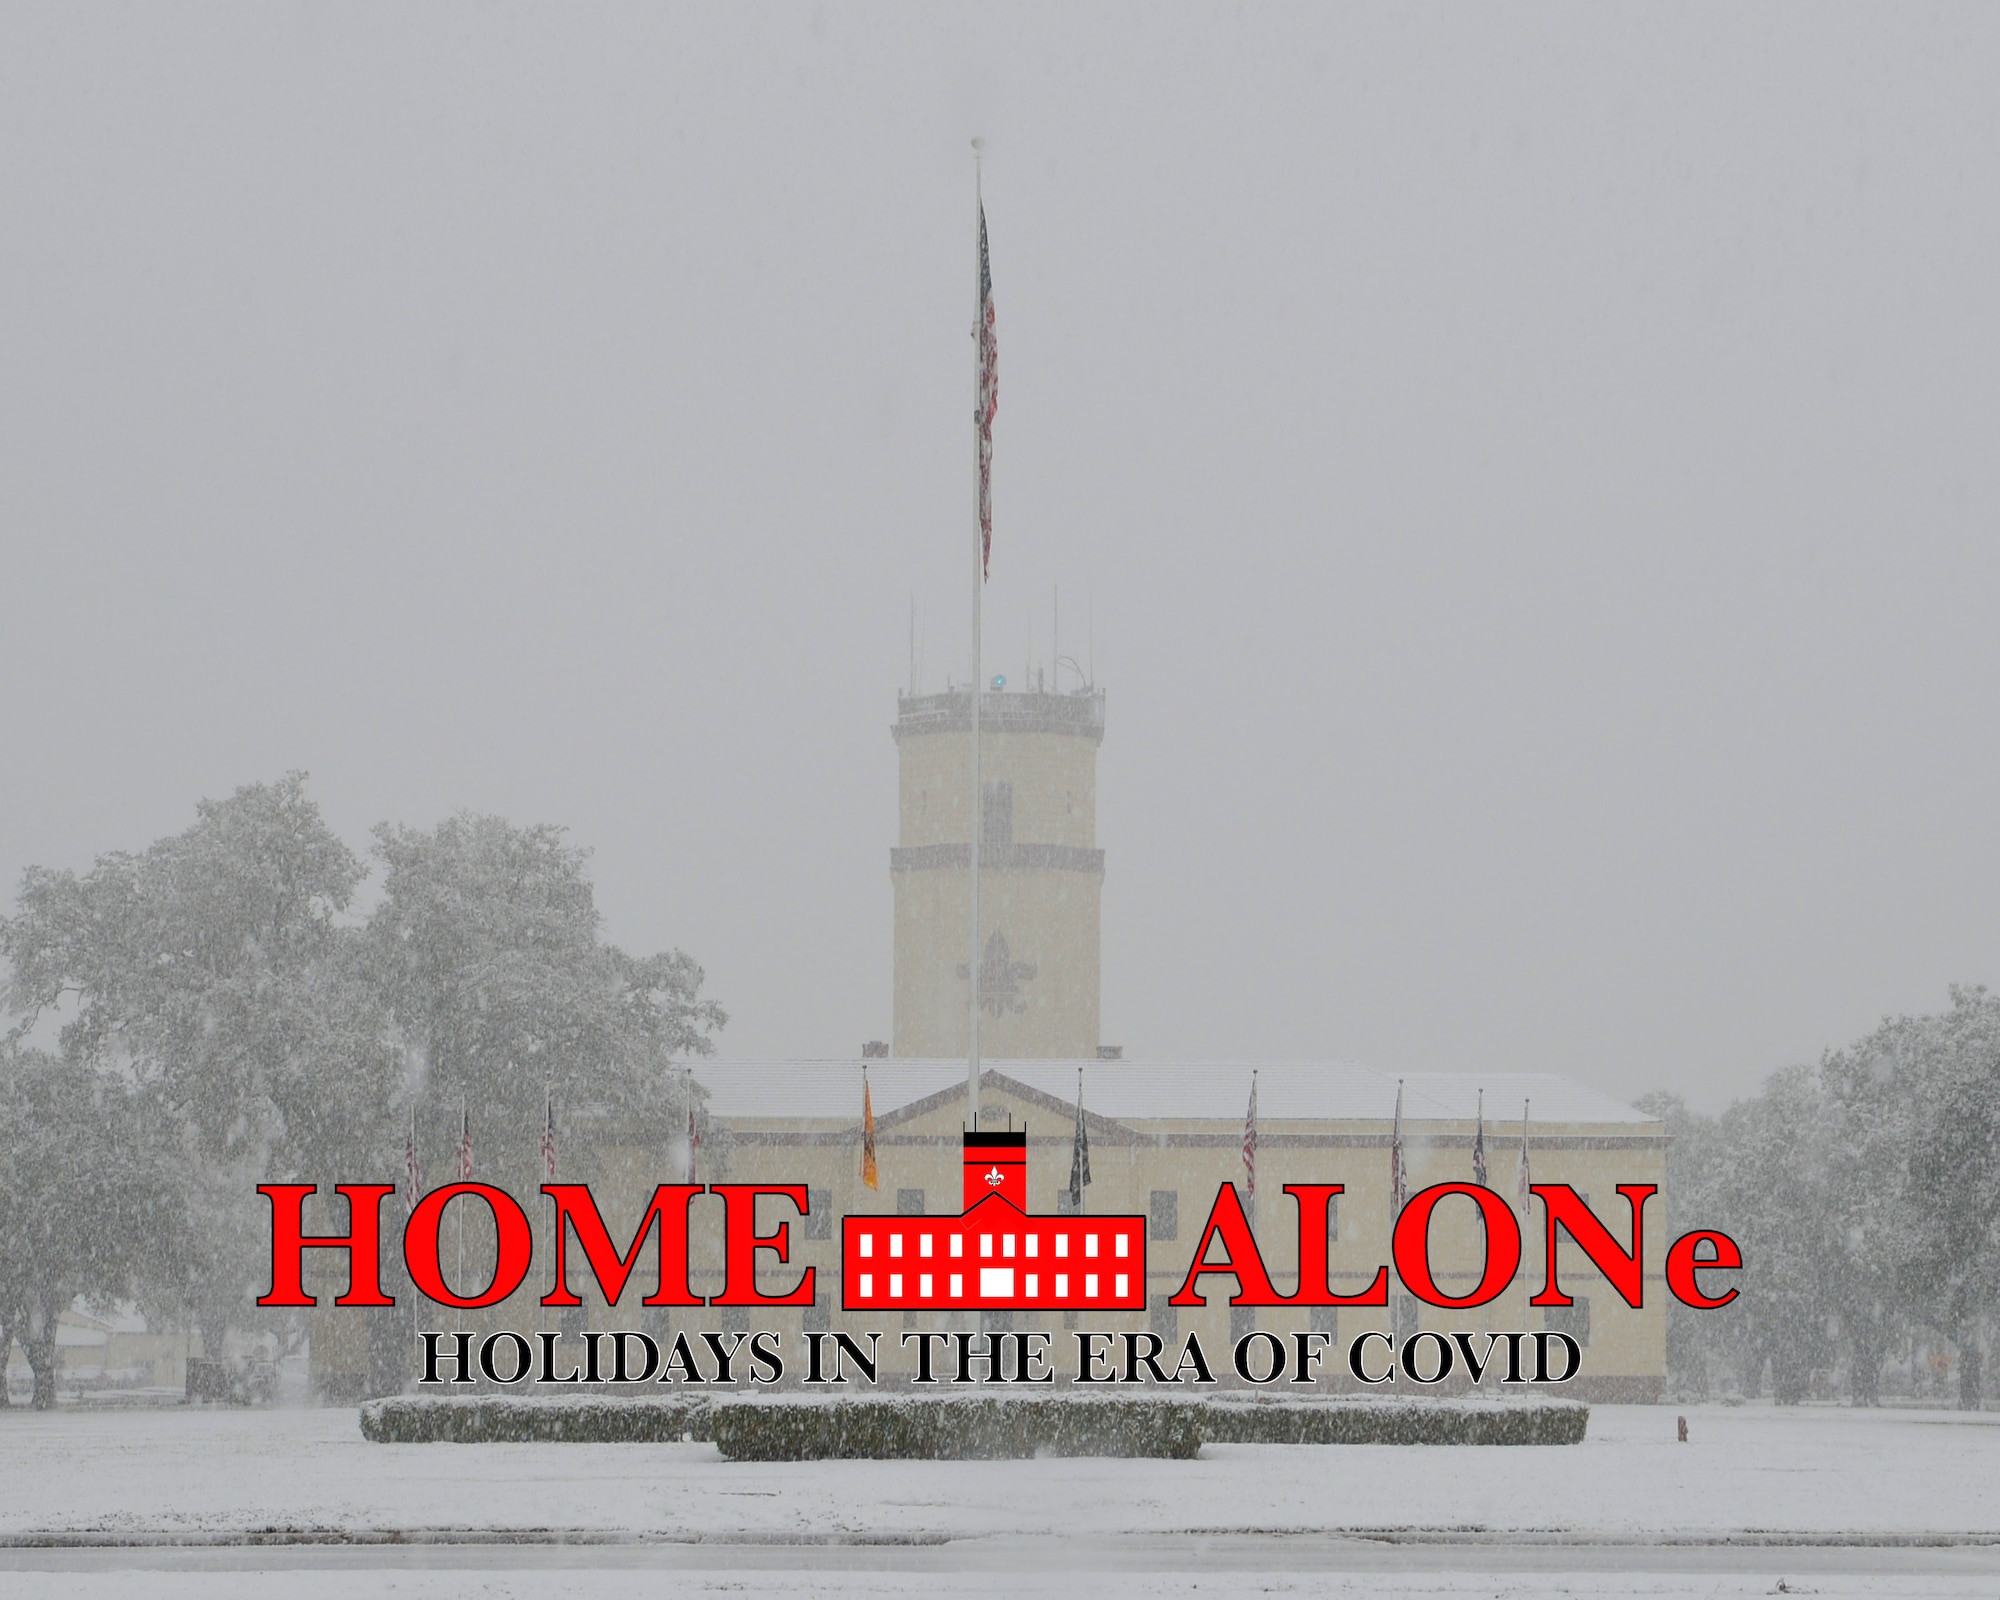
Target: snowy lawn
{"x":488,"y":1585}
{"x":1749,"y":1468}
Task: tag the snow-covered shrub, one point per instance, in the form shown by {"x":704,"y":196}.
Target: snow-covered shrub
{"x":937,"y":1428}
{"x":503,"y":1419}
{"x":1246,"y":1420}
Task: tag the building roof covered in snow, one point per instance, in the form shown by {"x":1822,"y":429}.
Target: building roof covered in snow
{"x":1146,"y":1092}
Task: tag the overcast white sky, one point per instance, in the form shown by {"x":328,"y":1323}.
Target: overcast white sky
{"x":1531,"y":471}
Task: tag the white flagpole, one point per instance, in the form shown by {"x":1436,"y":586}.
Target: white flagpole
{"x":978,"y":665}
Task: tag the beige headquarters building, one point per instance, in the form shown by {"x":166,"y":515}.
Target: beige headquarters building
{"x":1164,"y":1135}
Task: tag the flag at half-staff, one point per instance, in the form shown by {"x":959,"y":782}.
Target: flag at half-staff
{"x":1399,"y":1169}
{"x":1479,"y":1144}
{"x":869,"y":1175}
{"x":1079,"y":1151}
{"x":464,"y":1143}
{"x":987,"y":401}
{"x":549,"y":1134}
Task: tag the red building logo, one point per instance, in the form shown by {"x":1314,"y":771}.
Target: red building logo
{"x":993,"y":1256}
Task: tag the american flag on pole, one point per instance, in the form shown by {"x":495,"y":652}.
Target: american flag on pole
{"x":464,"y":1141}
{"x":1399,"y":1170}
{"x":549,"y":1134}
{"x":1479,"y":1145}
{"x":412,"y":1185}
{"x":1526,"y":1194}
{"x":1250,"y":1145}
{"x":988,"y":401}
{"x":1079,"y":1151}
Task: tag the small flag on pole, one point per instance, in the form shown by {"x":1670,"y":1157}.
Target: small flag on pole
{"x":549,"y":1134}
{"x":988,"y":402}
{"x":1479,"y":1145}
{"x":1079,"y":1151}
{"x":1399,"y":1171}
{"x":412,"y":1185}
{"x":1250,"y":1145}
{"x":1523,"y":1183}
{"x":869,"y":1175}
{"x":464,"y":1142}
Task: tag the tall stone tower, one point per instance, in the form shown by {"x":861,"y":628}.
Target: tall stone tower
{"x":1041,"y":878}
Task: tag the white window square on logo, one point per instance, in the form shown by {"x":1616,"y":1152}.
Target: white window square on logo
{"x":1062,"y":1242}
{"x":867,"y":1285}
{"x":958,"y":1244}
{"x":924,"y":1243}
{"x":986,"y":1244}
{"x":1090,"y":1286}
{"x":1007,"y":1245}
{"x":957,"y":1287}
{"x":896,"y":1245}
{"x":868,"y":1244}
{"x":896,"y":1285}
{"x":1123,"y":1245}
{"x":996,"y":1283}
{"x":1034,"y":1287}
{"x":1121,"y":1280}
{"x":1090,"y":1244}
{"x":1062,"y":1285}
{"x":1031,"y":1242}
{"x":924,"y":1285}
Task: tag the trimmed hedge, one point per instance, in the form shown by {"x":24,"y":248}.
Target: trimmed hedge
{"x":897,"y":1427}
{"x":1393,"y":1421}
{"x":951,"y":1428}
{"x":501,"y":1419}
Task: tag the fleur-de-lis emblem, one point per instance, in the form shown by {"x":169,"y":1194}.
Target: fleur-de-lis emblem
{"x":995,"y":1177}
{"x":1000,"y":977}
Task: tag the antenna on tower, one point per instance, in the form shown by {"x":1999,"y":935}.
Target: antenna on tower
{"x":1055,"y":639}
{"x":913,"y":642}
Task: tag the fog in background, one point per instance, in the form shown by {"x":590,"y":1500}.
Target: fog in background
{"x":1526,"y":478}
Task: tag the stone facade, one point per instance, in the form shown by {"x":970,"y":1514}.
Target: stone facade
{"x":1041,"y":878}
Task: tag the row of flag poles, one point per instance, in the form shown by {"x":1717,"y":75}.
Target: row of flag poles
{"x":1399,"y":1165}
{"x":413,"y":1187}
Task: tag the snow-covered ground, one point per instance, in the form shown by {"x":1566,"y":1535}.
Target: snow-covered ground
{"x":1612,"y":1516}
{"x":1750,"y":1468}
{"x":597,"y":1585}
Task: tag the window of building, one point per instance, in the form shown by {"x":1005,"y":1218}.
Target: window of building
{"x":818,"y":1317}
{"x":1163,"y":1214}
{"x":909,"y":1202}
{"x":1333,"y":1219}
{"x":997,"y":816}
{"x":819,"y":1213}
{"x":1164,"y":1319}
{"x":1242,"y":1320}
{"x":1403,"y":1316}
{"x":1573,"y":1320}
{"x":1326,"y":1320}
{"x":735,"y":1319}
